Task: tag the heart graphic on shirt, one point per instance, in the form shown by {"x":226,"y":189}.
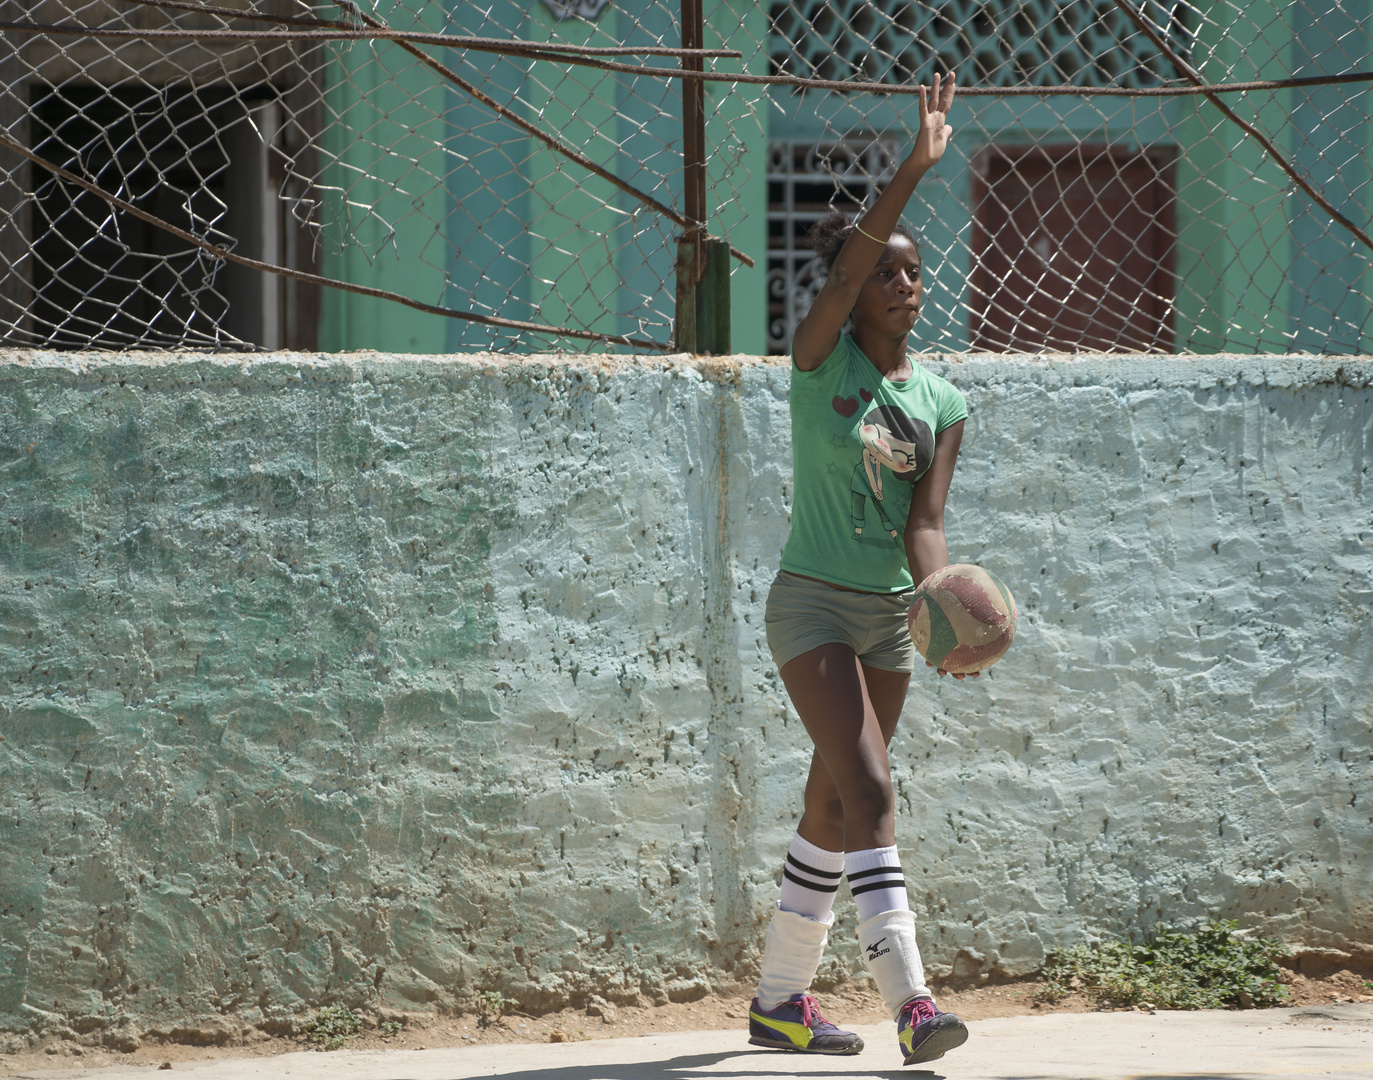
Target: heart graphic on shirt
{"x":845,"y":406}
{"x":863,"y":393}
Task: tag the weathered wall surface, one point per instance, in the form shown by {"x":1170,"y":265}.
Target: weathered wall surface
{"x":388,"y":682}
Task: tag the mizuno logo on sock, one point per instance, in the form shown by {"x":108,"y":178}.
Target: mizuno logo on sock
{"x":875,"y":949}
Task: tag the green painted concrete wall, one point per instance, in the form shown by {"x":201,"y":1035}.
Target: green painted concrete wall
{"x":1329,"y":126}
{"x":388,"y":682}
{"x":384,"y":200}
{"x":431,"y":194}
{"x":1234,"y":268}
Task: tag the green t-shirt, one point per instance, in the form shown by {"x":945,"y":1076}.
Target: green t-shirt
{"x":858,"y":444}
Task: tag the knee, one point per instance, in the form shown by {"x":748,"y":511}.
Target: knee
{"x":870,"y":802}
{"x":865,"y":803}
{"x":825,"y":806}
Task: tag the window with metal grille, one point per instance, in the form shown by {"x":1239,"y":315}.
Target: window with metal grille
{"x":806,"y":180}
{"x":1032,"y":43}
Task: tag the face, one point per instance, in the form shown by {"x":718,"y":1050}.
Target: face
{"x":890,"y":297}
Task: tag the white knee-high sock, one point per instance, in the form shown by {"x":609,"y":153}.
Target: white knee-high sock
{"x":876,"y":881}
{"x":886,"y":930}
{"x":810,"y":879}
{"x":887,"y":942}
{"x":796,"y":936}
{"x":790,"y":956}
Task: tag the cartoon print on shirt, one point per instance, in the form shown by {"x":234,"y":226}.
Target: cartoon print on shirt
{"x":904,"y":444}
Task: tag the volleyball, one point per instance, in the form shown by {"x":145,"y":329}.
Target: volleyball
{"x":963,"y":619}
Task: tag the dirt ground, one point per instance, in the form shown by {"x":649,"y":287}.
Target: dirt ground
{"x":854,"y":1003}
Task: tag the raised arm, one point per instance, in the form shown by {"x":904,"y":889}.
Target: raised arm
{"x":819,"y":330}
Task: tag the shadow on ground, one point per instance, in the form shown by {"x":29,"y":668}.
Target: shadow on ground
{"x":752,"y":1065}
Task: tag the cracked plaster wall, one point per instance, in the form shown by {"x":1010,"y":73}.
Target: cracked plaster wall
{"x":390,"y":681}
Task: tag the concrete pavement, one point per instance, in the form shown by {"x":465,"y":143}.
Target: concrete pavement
{"x":1319,"y":1041}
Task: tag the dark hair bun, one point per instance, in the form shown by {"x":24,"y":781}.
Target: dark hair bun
{"x":829,"y":233}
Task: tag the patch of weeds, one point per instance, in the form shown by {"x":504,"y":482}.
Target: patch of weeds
{"x":1213,"y":968}
{"x":493,"y":1005}
{"x":333,"y":1027}
{"x":1368,"y":984}
{"x":389,"y":1029}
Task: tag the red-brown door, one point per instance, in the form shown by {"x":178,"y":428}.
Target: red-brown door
{"x":1072,"y":250}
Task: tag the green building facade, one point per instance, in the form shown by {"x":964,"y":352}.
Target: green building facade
{"x":514,"y":228}
{"x":507,"y":226}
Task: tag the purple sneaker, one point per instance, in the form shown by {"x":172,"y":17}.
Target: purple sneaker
{"x":796,"y":1024}
{"x":925,"y":1033}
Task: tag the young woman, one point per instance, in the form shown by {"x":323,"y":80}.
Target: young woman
{"x":874,"y":443}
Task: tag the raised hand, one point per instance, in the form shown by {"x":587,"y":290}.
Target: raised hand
{"x":933,"y":137}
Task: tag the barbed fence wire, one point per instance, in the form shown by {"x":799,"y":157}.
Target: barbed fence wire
{"x":1138,"y":175}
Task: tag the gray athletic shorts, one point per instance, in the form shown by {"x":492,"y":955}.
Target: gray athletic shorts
{"x":803,"y":614}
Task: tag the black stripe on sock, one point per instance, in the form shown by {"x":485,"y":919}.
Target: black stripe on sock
{"x":875,"y":870}
{"x":896,"y":883}
{"x":834,"y":876}
{"x":814,"y":885}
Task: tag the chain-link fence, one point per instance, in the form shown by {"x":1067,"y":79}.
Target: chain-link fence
{"x":464,"y":180}
{"x":1116,"y":184}
{"x":1145,"y":176}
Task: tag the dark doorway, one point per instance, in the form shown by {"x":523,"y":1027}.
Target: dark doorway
{"x":207,"y":159}
{"x":1072,"y":250}
{"x":103,"y":277}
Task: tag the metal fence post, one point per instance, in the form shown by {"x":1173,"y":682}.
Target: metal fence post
{"x":702,"y":316}
{"x":16,"y":208}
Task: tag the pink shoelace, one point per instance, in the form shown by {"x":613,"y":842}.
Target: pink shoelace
{"x":920,"y":1009}
{"x":810,"y":1012}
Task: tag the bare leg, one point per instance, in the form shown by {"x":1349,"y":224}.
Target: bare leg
{"x":850,"y":712}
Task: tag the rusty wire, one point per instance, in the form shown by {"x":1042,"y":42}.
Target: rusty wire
{"x":587,"y":58}
{"x":221,"y":253}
